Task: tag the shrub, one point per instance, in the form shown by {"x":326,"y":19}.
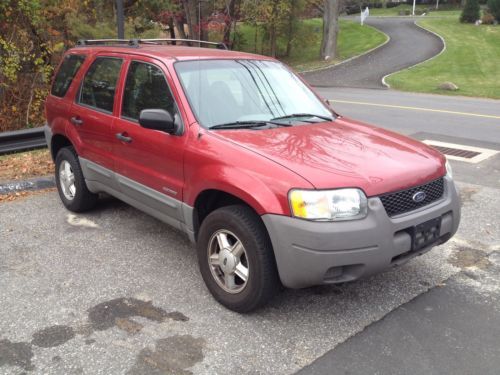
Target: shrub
{"x":392,"y":5}
{"x":494,"y":7}
{"x":488,"y":19}
{"x":470,"y":14}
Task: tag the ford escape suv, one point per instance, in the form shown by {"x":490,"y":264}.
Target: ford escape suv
{"x":235,"y":150}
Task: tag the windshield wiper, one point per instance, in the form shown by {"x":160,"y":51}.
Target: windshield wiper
{"x":326,"y":118}
{"x":245,"y":124}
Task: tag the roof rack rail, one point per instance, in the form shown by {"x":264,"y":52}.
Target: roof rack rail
{"x":137,"y":42}
{"x":219,"y":45}
{"x":90,"y":42}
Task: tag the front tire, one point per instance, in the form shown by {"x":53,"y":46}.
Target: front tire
{"x":236,"y":258}
{"x":70,"y":182}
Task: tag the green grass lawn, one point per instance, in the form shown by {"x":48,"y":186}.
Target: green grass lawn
{"x":471,"y":61}
{"x":353,"y":40}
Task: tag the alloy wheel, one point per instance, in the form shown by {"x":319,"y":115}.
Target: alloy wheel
{"x":67,"y":180}
{"x":228,"y":261}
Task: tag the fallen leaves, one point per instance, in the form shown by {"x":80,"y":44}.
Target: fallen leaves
{"x":26,"y":165}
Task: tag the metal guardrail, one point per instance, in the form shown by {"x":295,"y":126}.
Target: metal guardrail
{"x":22,"y":140}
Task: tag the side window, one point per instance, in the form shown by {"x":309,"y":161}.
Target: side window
{"x":99,"y":85}
{"x":67,"y":71}
{"x":145,"y":88}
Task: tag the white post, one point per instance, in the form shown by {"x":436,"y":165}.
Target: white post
{"x":413,"y":13}
{"x":364,"y":15}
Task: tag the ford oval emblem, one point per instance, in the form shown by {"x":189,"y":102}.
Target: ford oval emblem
{"x":419,"y":196}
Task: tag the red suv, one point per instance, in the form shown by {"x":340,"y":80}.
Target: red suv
{"x":239,"y":153}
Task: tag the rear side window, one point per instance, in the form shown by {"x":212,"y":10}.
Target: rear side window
{"x":145,"y":88}
{"x":67,"y":71}
{"x":99,"y":85}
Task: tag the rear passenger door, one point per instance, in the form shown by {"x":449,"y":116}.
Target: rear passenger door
{"x":92,"y":115}
{"x":149,"y":162}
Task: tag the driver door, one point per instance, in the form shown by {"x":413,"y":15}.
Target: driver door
{"x":149,"y":162}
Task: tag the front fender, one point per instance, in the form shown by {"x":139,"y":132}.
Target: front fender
{"x":257,"y":192}
{"x":214,"y":163}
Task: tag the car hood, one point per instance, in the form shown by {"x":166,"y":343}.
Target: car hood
{"x":345,"y":153}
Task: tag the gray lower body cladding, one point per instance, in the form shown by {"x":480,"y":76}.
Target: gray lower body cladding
{"x":313,"y":253}
{"x":167,"y":209}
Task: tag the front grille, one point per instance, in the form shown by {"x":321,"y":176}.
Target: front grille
{"x":402,"y":201}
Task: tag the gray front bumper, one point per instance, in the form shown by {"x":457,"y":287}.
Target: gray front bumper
{"x":312,"y":253}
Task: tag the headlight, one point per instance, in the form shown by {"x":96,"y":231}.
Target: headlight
{"x":328,"y":205}
{"x":449,"y":172}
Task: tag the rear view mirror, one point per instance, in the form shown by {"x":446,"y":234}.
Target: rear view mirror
{"x":157,"y":119}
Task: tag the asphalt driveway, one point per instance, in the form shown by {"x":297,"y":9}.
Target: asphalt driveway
{"x":114,"y":291}
{"x":409,"y":45}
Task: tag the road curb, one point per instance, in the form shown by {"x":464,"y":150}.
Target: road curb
{"x":421,"y":62}
{"x":32,"y":184}
{"x":388,"y":39}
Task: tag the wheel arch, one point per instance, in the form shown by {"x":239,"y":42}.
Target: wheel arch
{"x":57,"y":142}
{"x":209,"y":200}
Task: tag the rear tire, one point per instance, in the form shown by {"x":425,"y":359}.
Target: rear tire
{"x":233,"y":245}
{"x":70,"y":182}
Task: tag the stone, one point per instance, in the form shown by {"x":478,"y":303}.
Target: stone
{"x":450,"y":86}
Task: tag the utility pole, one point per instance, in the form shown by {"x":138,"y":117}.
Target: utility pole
{"x":413,"y":12}
{"x":120,"y":19}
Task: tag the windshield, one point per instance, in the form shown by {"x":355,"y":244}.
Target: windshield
{"x":223,"y":92}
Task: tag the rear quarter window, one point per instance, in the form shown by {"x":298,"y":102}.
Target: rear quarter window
{"x":67,"y":71}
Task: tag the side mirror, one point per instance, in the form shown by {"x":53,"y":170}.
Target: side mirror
{"x":157,"y":119}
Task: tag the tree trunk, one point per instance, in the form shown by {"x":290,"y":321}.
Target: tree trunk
{"x":272,"y":29}
{"x":255,"y":37}
{"x":179,"y":25}
{"x":272,"y":39}
{"x":171,"y":28}
{"x":291,"y":20}
{"x":190,"y":9}
{"x":228,"y":21}
{"x":203,"y":17}
{"x":330,"y":29}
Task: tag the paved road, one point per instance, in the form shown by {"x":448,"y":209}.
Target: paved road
{"x":115,"y":291}
{"x":452,"y":328}
{"x":409,"y":45}
{"x":454,"y":119}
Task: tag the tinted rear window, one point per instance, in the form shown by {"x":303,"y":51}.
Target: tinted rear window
{"x":66,"y":73}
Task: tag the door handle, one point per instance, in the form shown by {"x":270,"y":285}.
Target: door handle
{"x":76,"y":121}
{"x":122,"y":137}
